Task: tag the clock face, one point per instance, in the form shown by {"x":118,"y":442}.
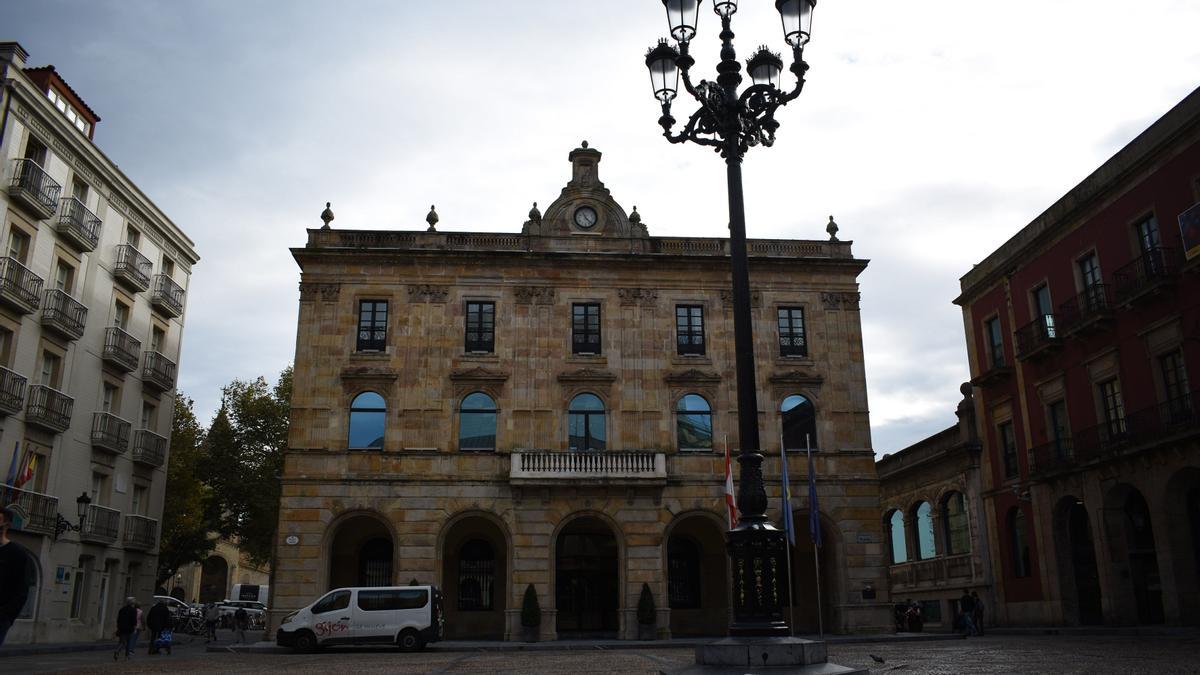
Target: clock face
{"x":585,"y":217}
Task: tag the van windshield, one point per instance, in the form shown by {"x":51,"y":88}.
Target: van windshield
{"x":332,"y":602}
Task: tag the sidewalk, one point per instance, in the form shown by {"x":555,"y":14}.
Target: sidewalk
{"x":186,"y":642}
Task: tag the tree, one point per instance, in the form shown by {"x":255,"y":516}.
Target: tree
{"x":185,"y":527}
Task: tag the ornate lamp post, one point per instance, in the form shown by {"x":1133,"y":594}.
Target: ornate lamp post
{"x":731,"y":123}
{"x":81,"y":508}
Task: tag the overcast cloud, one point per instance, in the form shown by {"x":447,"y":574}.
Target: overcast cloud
{"x":932,"y":131}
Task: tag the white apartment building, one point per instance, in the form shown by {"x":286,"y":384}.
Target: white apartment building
{"x":93,"y":283}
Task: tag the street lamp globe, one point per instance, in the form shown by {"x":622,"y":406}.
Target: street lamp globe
{"x":664,"y":74}
{"x":681,"y":17}
{"x":764,"y":67}
{"x":797,"y":20}
{"x":81,"y":505}
{"x":724,"y":8}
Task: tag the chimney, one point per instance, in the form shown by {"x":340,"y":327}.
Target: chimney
{"x":13,"y":53}
{"x":584,"y":162}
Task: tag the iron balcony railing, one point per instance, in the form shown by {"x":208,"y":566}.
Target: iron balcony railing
{"x":63,"y":314}
{"x":148,"y":448}
{"x":1051,"y":457}
{"x":132,"y":267}
{"x":12,"y":392}
{"x":1154,"y":268}
{"x":121,"y":349}
{"x":110,"y":432}
{"x":158,"y":371}
{"x":167,"y":296}
{"x":19,"y":288}
{"x":78,"y":225}
{"x":33,"y":186}
{"x":101,"y":525}
{"x":49,"y":408}
{"x":1040,"y":334}
{"x":1142,"y":428}
{"x":1085,"y":309}
{"x":140,"y":532}
{"x":41,"y":511}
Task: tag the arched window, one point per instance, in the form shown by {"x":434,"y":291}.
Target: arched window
{"x":585,"y":423}
{"x":1019,"y":541}
{"x":683,"y":573}
{"x":476,"y":576}
{"x":368,"y":413}
{"x":955,"y":523}
{"x":693,"y":423}
{"x":799,"y":423}
{"x":896,"y":537}
{"x":923,"y":522}
{"x":477,"y":423}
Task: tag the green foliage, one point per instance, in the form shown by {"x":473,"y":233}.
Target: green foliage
{"x":531,"y":611}
{"x":185,"y":527}
{"x":645,"y":610}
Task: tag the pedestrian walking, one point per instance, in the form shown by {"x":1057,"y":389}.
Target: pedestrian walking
{"x":966,"y":613}
{"x":977,"y":617}
{"x":127,"y":626}
{"x":157,"y":621}
{"x":16,"y":575}
{"x":241,"y":621}
{"x":212,"y":614}
{"x":141,"y":625}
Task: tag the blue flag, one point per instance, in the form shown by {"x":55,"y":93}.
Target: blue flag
{"x":789,"y":525}
{"x":12,"y":468}
{"x":814,"y":509}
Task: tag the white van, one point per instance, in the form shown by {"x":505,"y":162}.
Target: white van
{"x":249,"y":592}
{"x":408,"y":616}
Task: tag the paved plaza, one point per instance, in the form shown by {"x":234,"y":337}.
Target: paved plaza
{"x":998,"y":654}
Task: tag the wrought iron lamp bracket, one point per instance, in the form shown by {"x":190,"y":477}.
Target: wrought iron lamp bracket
{"x":62,"y":525}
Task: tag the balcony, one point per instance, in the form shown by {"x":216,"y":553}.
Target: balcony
{"x":140,"y":532}
{"x":1157,"y":425}
{"x":1052,"y":458}
{"x":537,"y":467}
{"x":148,"y":448}
{"x":101,"y":525}
{"x":1148,"y":274}
{"x":1089,"y":310}
{"x":41,"y":511}
{"x":19,"y":288}
{"x":997,"y":372}
{"x":34,"y":188}
{"x":1038,"y":337}
{"x":932,"y":573}
{"x":12,"y":392}
{"x":78,"y":225}
{"x":49,"y":409}
{"x":132,"y":268}
{"x":121,"y":349}
{"x":168,"y":296}
{"x":110,"y":433}
{"x":63,"y":314}
{"x":158,"y":372}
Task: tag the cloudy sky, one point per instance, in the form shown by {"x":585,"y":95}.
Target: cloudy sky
{"x":932,"y":131}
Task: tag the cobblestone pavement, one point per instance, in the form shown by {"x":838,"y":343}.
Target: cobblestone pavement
{"x":1000,"y":654}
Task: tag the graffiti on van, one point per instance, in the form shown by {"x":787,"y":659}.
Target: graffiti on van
{"x":329,"y":628}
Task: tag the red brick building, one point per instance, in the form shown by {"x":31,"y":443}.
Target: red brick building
{"x":1083,"y":332}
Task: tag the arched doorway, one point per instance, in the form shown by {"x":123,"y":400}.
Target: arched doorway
{"x":1134,"y":556}
{"x":475,"y":579}
{"x":214,"y":579}
{"x":804,"y":616}
{"x":697,"y":578}
{"x":587,"y":580}
{"x":1183,"y":532}
{"x":1078,"y":573}
{"x":361,"y":554}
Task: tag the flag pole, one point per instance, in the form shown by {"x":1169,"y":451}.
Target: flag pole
{"x":788,"y":545}
{"x":816,"y":549}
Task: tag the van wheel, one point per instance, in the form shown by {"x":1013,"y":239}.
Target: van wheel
{"x":409,"y":640}
{"x":306,"y":642}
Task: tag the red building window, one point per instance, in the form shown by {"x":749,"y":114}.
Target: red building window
{"x":1008,"y":445}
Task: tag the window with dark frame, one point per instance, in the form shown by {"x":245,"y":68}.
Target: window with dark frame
{"x":1147,"y":234}
{"x":585,"y":328}
{"x":372,"y":326}
{"x":792,"y":341}
{"x":1056,"y":418}
{"x":689,"y":330}
{"x":1008,"y":445}
{"x":476,"y":576}
{"x":1114,"y":408}
{"x":1175,"y":384}
{"x":481,"y":327}
{"x":683,"y":573}
{"x":995,"y":342}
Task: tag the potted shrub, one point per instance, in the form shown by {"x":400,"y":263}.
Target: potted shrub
{"x":646,"y":614}
{"x":531,"y":615}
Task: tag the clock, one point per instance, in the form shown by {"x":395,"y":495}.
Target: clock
{"x":585,"y":217}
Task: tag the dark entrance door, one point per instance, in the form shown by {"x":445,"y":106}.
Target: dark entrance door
{"x":1143,"y":560}
{"x":1083,"y":559}
{"x":586,"y":581}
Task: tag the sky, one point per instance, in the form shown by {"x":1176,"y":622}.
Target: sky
{"x":931,"y":131}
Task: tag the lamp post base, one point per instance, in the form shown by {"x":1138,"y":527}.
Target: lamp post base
{"x":758,"y":558}
{"x":768,"y":655}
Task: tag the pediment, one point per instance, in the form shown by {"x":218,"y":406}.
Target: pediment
{"x":585,"y":191}
{"x":587,"y":375}
{"x":369,"y":373}
{"x":796,"y":377}
{"x":478,"y":374}
{"x":692,"y":376}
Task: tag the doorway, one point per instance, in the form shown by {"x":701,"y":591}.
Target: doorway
{"x":586,"y":580}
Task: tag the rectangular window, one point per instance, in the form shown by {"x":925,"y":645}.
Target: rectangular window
{"x":64,"y":276}
{"x":99,"y":489}
{"x":481,"y":327}
{"x":140,"y":499}
{"x":7,"y":341}
{"x":1008,"y":446}
{"x":168,"y":266}
{"x":689,"y":330}
{"x":51,"y":369}
{"x":132,"y":236}
{"x":1147,"y":235}
{"x":35,"y":151}
{"x":1175,"y":386}
{"x":372,"y":325}
{"x":157,"y":337}
{"x":18,"y":245}
{"x":585,"y":328}
{"x":110,"y":398}
{"x":1044,"y":310}
{"x":77,"y":590}
{"x":79,"y":190}
{"x":1114,"y":408}
{"x":995,"y":341}
{"x":1056,"y":428}
{"x":792,"y":341}
{"x":121,"y":315}
{"x":1089,"y":271}
{"x":148,"y":415}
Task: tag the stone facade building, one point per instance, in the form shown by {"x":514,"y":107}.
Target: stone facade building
{"x":93,"y":284}
{"x":1083,"y":333}
{"x":213,"y":579}
{"x":491,"y":411}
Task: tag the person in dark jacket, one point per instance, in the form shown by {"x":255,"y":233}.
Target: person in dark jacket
{"x":126,"y":629}
{"x":157,"y":620}
{"x":16,"y":575}
{"x":966,"y":614}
